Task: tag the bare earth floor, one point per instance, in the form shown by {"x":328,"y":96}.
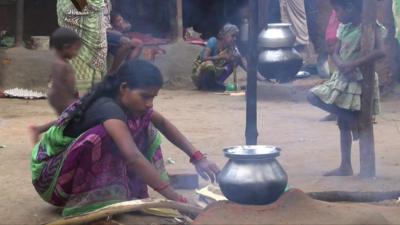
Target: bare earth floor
{"x":211,"y":122}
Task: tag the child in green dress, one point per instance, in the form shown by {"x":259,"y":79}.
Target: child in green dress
{"x":341,"y":95}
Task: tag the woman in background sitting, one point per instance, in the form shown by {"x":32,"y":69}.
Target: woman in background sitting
{"x":217,"y":60}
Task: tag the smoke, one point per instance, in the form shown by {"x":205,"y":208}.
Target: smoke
{"x":147,"y":16}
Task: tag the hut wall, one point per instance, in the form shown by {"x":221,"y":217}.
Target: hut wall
{"x":40,"y":17}
{"x":7,"y":17}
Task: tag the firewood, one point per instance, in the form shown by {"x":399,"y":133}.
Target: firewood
{"x":125,"y":207}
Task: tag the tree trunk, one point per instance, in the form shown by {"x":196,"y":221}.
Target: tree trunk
{"x":251,"y":90}
{"x":367,"y":145}
{"x":19,"y":34}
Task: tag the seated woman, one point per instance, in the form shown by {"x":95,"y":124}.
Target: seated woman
{"x":119,"y":45}
{"x":217,"y":60}
{"x":105,"y":148}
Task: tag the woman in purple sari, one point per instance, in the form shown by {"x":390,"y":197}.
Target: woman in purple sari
{"x":105,"y":148}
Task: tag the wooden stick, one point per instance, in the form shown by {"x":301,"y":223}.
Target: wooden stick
{"x":176,"y":20}
{"x":125,"y":207}
{"x":235,"y":80}
{"x":367,"y":144}
{"x":179,"y":18}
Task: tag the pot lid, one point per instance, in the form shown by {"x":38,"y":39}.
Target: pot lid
{"x":252,"y":152}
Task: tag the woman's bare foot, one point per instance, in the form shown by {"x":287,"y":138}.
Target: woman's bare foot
{"x":340,"y":172}
{"x":34,"y":133}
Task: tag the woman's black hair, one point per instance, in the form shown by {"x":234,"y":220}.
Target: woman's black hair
{"x":135,"y":73}
{"x":357,"y":4}
{"x":62,"y":37}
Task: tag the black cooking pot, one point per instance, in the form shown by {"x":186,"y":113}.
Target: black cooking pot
{"x":252,"y":175}
{"x":278,"y":59}
{"x":280,"y":64}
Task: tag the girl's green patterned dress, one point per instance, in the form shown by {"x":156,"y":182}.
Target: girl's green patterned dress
{"x":340,"y":91}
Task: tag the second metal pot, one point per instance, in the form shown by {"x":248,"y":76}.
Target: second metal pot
{"x":280,"y":64}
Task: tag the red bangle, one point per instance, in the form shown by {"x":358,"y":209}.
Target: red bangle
{"x":162,"y":187}
{"x":196,"y":157}
{"x":182,"y":199}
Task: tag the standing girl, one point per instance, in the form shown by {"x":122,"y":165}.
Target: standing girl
{"x":341,"y":95}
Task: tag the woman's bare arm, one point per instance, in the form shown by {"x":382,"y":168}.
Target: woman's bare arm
{"x":336,"y":57}
{"x":204,"y":167}
{"x":136,"y":162}
{"x":375,"y":54}
{"x":207,"y":55}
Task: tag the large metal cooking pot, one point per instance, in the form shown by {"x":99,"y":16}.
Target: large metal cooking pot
{"x":252,"y":175}
{"x":277,"y":35}
{"x":281,"y":64}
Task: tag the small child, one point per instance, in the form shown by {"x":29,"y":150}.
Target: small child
{"x":62,"y":91}
{"x":341,"y":95}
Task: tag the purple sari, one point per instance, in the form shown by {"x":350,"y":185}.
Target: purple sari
{"x":88,"y":173}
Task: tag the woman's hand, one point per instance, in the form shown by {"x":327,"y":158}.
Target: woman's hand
{"x":224,"y":56}
{"x":207,"y":169}
{"x":171,"y":194}
{"x":347,"y":68}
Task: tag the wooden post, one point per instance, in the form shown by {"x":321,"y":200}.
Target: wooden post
{"x":367,"y":145}
{"x":179,"y":19}
{"x":176,"y":20}
{"x":19,"y":31}
{"x":251,"y":91}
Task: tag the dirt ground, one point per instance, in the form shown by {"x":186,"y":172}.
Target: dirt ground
{"x":211,"y":122}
